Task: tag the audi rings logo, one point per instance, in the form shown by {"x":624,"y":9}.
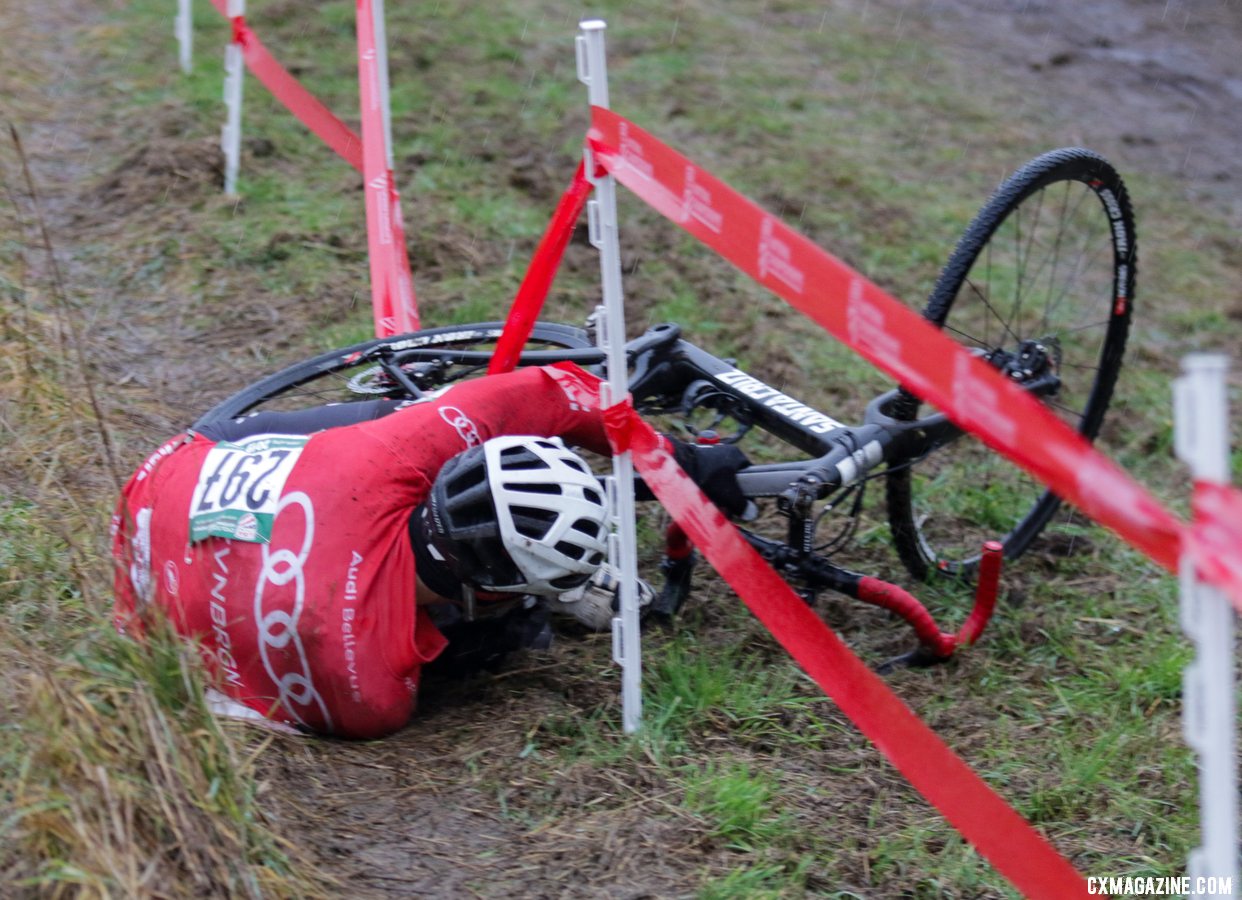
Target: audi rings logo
{"x":172,"y":579}
{"x":462,"y":425}
{"x":280,"y":645}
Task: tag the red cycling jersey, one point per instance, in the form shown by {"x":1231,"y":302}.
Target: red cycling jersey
{"x":305,"y":611}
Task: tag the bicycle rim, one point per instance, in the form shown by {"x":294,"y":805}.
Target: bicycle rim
{"x":354,"y":373}
{"x":1050,"y":261}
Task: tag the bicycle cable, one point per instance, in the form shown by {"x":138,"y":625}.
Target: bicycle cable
{"x":842,"y":538}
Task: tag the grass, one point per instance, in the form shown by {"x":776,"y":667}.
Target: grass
{"x":116,"y":779}
{"x":120,"y":756}
{"x":867,"y":139}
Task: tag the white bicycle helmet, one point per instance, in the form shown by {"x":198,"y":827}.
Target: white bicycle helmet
{"x":521,"y":514}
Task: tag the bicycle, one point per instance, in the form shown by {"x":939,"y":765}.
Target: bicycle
{"x":1040,"y":286}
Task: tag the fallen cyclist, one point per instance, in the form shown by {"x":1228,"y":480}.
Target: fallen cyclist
{"x":322,"y":558}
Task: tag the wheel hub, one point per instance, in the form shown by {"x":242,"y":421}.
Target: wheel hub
{"x":1034,"y":365}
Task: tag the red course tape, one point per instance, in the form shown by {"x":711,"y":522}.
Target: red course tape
{"x":1016,"y":850}
{"x":1216,"y":534}
{"x":896,"y":340}
{"x":392,"y":289}
{"x":540,"y":274}
{"x":299,"y":101}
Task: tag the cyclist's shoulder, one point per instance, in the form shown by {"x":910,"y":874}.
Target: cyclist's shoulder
{"x":169,"y":457}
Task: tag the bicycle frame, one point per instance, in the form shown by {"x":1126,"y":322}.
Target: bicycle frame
{"x":673,"y":374}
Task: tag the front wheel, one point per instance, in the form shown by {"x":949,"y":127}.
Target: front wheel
{"x":1042,"y":286}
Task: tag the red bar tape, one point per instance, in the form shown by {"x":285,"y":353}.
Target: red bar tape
{"x":903,"y":603}
{"x":540,"y":274}
{"x":299,"y":101}
{"x":1017,"y":851}
{"x":986,"y":589}
{"x":392,"y":291}
{"x":885,"y":332}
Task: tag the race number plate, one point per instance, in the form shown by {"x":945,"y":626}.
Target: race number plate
{"x":239,"y":486}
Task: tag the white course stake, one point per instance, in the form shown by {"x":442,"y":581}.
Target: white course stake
{"x":623,"y":547}
{"x":234,"y":73}
{"x":183,"y":28}
{"x":1201,"y":435}
{"x":381,"y":65}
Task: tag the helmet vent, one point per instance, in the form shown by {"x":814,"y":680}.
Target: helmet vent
{"x":573,"y":551}
{"x":521,"y":513}
{"x":472,"y":515}
{"x":535,"y":488}
{"x":587,"y":527}
{"x":466,"y":477}
{"x":533,"y":523}
{"x":518,"y":458}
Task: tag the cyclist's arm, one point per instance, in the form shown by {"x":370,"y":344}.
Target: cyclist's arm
{"x":546,"y":401}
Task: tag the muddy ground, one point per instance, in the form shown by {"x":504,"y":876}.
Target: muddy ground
{"x":1155,"y":85}
{"x":437,"y":810}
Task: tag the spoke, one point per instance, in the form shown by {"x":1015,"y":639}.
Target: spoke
{"x":1066,"y":515}
{"x":987,"y":303}
{"x":1023,"y":258}
{"x":1082,"y":366}
{"x":1069,"y":410}
{"x":1089,"y":303}
{"x":326,"y":391}
{"x":966,"y":336}
{"x":1056,"y":252}
{"x":1088,"y":242}
{"x":1078,"y":328}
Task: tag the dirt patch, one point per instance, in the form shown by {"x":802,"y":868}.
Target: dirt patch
{"x":160,"y":171}
{"x":1154,"y":85}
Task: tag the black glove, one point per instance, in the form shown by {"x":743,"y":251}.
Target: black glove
{"x":714,"y":468}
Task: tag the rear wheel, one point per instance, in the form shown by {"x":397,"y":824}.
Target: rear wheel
{"x":388,"y":367}
{"x":1041,"y":285}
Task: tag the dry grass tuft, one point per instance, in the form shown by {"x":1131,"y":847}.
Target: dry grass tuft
{"x":115,"y":780}
{"x":128,"y":787}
